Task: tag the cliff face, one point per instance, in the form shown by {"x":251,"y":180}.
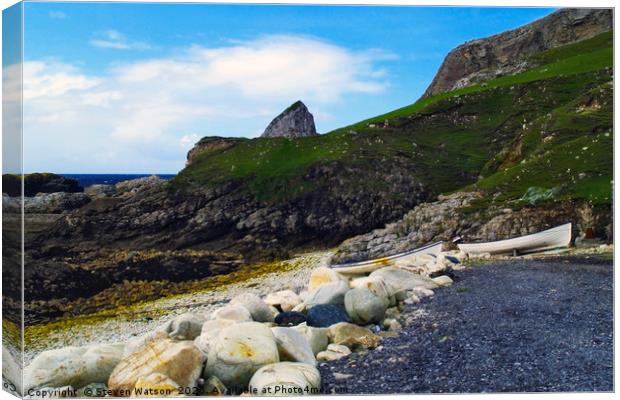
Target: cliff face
{"x":210,"y":145}
{"x":509,"y":52}
{"x":296,"y":121}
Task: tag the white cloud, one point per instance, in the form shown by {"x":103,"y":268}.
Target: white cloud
{"x":188,"y":140}
{"x":45,"y":80}
{"x":273,"y":67}
{"x":57,"y":15}
{"x":112,"y":39}
{"x":137,"y":116}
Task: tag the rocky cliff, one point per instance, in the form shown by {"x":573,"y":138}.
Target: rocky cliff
{"x":296,"y":121}
{"x":510,"y":52}
{"x":454,"y":215}
{"x":210,"y":145}
{"x":38,"y":183}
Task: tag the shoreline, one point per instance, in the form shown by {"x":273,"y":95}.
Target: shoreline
{"x":145,"y":317}
{"x":58,"y":334}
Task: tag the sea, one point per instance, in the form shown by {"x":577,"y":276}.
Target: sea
{"x":86,"y":180}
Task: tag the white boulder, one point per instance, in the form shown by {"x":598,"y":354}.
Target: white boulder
{"x":400,"y":279}
{"x":286,"y":379}
{"x":74,"y":366}
{"x":365,"y":307}
{"x":329,"y":293}
{"x":322,"y":275}
{"x":293,"y":346}
{"x":317,"y":337}
{"x":378,"y":286}
{"x":232,"y":312}
{"x":210,"y":330}
{"x":286,"y":300}
{"x":259,"y":310}
{"x":239,"y":351}
{"x":184,"y":327}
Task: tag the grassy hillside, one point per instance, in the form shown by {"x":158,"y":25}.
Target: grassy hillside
{"x":548,"y":128}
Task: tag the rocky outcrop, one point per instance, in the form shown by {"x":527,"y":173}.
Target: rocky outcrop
{"x":457,"y":215}
{"x":211,"y":145}
{"x":509,"y":52}
{"x":228,"y":218}
{"x":39,"y":183}
{"x":296,"y":121}
{"x":45,"y":203}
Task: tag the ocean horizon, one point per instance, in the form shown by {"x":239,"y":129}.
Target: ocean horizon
{"x":86,"y":180}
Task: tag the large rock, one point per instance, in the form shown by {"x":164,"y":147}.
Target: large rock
{"x":232,"y":312}
{"x":329,"y":293}
{"x":210,"y":330}
{"x":258,"y":309}
{"x":316,"y":337}
{"x":352,"y":336}
{"x":325,"y":315}
{"x":296,"y":121}
{"x":290,"y":318}
{"x":184,"y":327}
{"x":239,"y":351}
{"x":378,"y":286}
{"x":286,"y":378}
{"x":75,"y":366}
{"x":365,"y":307}
{"x":293,"y":346}
{"x":180,"y":361}
{"x":400,"y":279}
{"x":285,"y":300}
{"x":322,"y":275}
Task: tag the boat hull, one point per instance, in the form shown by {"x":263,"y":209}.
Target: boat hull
{"x":553,"y":238}
{"x":364,"y":267}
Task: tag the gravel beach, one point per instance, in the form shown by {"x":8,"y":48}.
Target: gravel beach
{"x":507,"y":326}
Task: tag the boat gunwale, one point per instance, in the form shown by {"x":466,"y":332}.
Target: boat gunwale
{"x":386,"y":258}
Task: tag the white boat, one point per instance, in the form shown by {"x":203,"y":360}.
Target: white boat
{"x":364,"y":267}
{"x":553,"y":238}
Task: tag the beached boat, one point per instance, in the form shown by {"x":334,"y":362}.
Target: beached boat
{"x":364,"y":267}
{"x":553,"y":238}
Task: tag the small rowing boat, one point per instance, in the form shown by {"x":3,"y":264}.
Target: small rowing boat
{"x":364,"y":267}
{"x":553,"y":238}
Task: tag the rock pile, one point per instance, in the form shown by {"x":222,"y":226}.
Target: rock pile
{"x":253,"y":345}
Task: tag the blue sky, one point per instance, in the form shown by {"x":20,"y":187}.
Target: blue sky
{"x":128,"y":88}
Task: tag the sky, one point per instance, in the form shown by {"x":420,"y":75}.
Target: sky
{"x":129,"y":88}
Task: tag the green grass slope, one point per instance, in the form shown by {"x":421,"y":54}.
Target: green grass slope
{"x":546,"y":128}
